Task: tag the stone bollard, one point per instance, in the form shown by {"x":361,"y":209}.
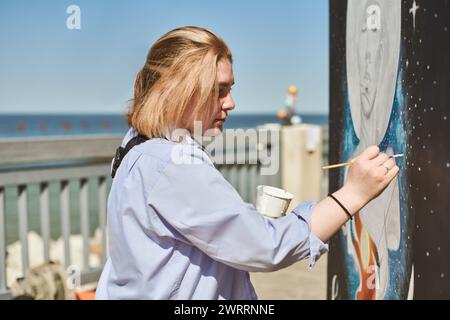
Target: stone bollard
{"x":301,"y":161}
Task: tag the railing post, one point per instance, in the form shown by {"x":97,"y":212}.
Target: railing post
{"x":225,"y":171}
{"x":84,"y":221}
{"x":65,"y":220}
{"x":233,"y":175}
{"x":2,"y":242}
{"x":243,"y":181}
{"x":23,"y":227}
{"x":45,"y":218}
{"x":102,"y":214}
{"x":252,"y":183}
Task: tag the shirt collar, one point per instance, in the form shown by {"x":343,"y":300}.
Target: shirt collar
{"x":187,"y":139}
{"x":192,"y":141}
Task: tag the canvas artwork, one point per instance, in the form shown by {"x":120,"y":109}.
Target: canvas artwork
{"x":385,"y":87}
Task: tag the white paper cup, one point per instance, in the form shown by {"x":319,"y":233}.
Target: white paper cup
{"x":272,"y":202}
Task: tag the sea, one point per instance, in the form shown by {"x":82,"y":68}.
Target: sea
{"x":18,"y":125}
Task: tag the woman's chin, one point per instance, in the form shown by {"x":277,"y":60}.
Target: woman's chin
{"x":215,"y":130}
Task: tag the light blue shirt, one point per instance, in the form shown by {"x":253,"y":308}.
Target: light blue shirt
{"x":181,"y":231}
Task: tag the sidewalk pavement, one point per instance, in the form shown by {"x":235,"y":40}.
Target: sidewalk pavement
{"x":296,"y":282}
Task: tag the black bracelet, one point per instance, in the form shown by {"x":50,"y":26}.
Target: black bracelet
{"x":342,"y":206}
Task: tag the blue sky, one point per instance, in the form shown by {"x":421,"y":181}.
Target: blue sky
{"x":47,"y":68}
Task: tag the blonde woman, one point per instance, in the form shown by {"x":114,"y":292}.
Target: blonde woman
{"x":180,"y":230}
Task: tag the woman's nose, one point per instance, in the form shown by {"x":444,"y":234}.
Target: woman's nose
{"x":229,"y":103}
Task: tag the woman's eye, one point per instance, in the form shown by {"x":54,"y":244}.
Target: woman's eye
{"x":223,"y":92}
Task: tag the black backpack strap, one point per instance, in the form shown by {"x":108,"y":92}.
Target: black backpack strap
{"x":121,"y":152}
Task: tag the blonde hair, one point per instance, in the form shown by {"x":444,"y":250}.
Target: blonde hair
{"x":179,"y":77}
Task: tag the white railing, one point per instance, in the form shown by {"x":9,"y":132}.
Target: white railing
{"x":43,"y":161}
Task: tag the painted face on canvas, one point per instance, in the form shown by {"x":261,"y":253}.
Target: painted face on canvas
{"x":369,"y":57}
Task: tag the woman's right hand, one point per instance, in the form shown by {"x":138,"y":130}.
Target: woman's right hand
{"x":370,"y":173}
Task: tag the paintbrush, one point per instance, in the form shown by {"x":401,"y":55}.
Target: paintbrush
{"x":332,"y":166}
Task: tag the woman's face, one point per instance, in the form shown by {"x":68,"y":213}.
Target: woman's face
{"x":225,"y":103}
{"x":225,"y":79}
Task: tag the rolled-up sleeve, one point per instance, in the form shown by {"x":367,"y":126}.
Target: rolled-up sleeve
{"x":316,"y":246}
{"x":197,"y":201}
